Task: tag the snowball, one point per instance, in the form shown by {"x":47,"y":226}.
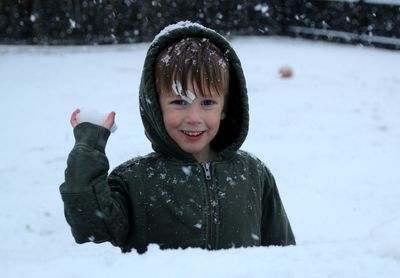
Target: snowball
{"x":166,"y":59}
{"x":99,"y":214}
{"x":177,"y":88}
{"x":72,"y":23}
{"x":254,"y":236}
{"x":187,"y":170}
{"x":94,"y":117}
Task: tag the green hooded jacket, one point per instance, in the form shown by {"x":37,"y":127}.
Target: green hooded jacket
{"x":167,"y":197}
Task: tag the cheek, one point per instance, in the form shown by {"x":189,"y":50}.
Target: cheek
{"x":170,"y":120}
{"x":215,"y":120}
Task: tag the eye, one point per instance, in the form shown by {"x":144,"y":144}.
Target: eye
{"x":179,"y":102}
{"x":208,"y":102}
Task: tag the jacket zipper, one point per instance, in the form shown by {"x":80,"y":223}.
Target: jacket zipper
{"x":211,"y":232}
{"x":207,"y":171}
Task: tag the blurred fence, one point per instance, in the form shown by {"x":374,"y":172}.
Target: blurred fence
{"x":123,"y":21}
{"x":373,"y":22}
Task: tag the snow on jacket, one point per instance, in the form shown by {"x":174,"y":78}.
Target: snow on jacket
{"x":167,"y":197}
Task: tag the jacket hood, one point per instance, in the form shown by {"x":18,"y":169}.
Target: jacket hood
{"x":233,"y":129}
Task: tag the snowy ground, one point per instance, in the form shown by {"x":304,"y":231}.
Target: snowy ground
{"x":331,"y":136}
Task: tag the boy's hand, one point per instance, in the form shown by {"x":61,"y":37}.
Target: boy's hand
{"x":108,"y":123}
{"x":74,"y":121}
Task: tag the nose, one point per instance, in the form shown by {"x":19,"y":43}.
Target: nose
{"x":194,"y":115}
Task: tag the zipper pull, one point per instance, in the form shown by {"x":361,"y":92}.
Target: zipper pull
{"x":207,"y":171}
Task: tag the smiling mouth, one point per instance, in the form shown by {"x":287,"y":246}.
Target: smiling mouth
{"x":192,"y":133}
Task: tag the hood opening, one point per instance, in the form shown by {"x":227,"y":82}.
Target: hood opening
{"x":233,"y":129}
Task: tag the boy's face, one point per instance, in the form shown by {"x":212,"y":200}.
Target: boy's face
{"x":193,"y":122}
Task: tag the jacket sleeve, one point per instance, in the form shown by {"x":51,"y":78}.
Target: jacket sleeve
{"x":275,"y":226}
{"x":95,"y":205}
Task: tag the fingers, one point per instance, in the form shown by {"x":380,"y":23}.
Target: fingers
{"x":74,"y":121}
{"x":108,"y":123}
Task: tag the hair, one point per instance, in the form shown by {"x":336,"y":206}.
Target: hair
{"x":194,"y":61}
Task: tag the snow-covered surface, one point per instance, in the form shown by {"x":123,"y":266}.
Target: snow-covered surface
{"x":392,"y":2}
{"x":330,"y":135}
{"x":347,"y":36}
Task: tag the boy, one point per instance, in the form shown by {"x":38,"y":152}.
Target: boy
{"x":197,"y":189}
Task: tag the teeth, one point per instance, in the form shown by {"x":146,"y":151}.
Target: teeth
{"x":192,"y":133}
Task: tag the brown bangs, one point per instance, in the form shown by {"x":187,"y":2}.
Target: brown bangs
{"x":194,"y":61}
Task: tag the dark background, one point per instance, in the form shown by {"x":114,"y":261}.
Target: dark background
{"x":126,"y":21}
